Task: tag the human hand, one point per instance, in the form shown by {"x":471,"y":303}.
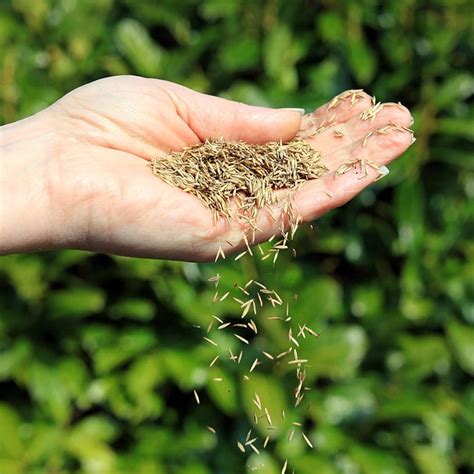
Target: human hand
{"x":76,"y":175}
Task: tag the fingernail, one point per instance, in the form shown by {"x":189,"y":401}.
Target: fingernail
{"x":383,"y":171}
{"x":413,"y":139}
{"x":295,"y":109}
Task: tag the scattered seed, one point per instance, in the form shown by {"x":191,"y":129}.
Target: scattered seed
{"x":196,"y":396}
{"x":213,"y":361}
{"x":308,"y":442}
{"x":241,"y":338}
{"x":210,"y":341}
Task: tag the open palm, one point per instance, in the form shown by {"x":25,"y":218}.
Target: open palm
{"x":102,"y":182}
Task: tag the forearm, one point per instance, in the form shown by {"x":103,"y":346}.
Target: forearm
{"x":27,"y":221}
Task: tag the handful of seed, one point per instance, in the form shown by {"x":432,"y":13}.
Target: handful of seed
{"x":220,"y":171}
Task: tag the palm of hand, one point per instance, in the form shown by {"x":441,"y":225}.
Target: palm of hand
{"x":117,"y":124}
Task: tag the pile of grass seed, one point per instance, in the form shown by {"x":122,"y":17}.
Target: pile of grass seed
{"x":220,"y":172}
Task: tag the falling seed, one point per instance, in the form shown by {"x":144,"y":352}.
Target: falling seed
{"x":258,"y":402}
{"x":210,"y":341}
{"x":298,"y":361}
{"x":290,"y":435}
{"x":267,"y":439}
{"x":217,"y":318}
{"x":240,"y":255}
{"x":313,"y":333}
{"x":213,"y":361}
{"x":269,"y":419}
{"x":248,"y":284}
{"x":241,"y":446}
{"x":196,"y":396}
{"x":255,"y":363}
{"x":211,"y":429}
{"x":241,"y":338}
{"x":283,"y":470}
{"x":223,"y":326}
{"x":254,"y":448}
{"x":217,"y":379}
{"x":266,"y":354}
{"x":224,"y":296}
{"x":308,"y":442}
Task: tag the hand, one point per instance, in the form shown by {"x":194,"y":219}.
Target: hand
{"x":76,"y":174}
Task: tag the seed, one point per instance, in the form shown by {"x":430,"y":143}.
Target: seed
{"x":224,"y":296}
{"x":217,"y":318}
{"x":298,"y":361}
{"x":217,"y":379}
{"x":254,"y":448}
{"x":196,"y":396}
{"x":266,"y":442}
{"x":211,"y":429}
{"x":313,"y":333}
{"x":240,"y":255}
{"x":258,"y":402}
{"x":213,"y":361}
{"x":241,"y":338}
{"x":255,"y":363}
{"x":308,"y":442}
{"x":210,"y":341}
{"x":283,"y":470}
{"x":241,"y":446}
{"x":268,"y":355}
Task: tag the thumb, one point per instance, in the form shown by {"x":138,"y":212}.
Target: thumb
{"x":213,"y":117}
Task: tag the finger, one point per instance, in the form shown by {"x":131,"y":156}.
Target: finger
{"x":215,"y":117}
{"x":360,"y":168}
{"x":385,"y":141}
{"x":340,"y":109}
{"x":364,"y":123}
{"x":317,"y":197}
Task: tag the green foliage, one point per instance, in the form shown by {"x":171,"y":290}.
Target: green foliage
{"x":98,"y":355}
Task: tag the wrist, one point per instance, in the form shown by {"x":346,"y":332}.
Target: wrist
{"x":28,"y":221}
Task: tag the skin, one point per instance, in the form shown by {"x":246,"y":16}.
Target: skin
{"x":75,"y":175}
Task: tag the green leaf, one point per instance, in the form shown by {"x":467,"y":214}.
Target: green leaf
{"x":353,"y":401}
{"x":461,"y":339}
{"x":409,"y":201}
{"x":337,"y":353}
{"x":362,"y":61}
{"x":133,"y":308}
{"x":279,"y":57}
{"x":77,"y":302}
{"x":11,"y":447}
{"x":429,"y":460}
{"x":375,"y":461}
{"x":134,"y":42}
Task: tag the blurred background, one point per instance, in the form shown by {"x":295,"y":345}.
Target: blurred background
{"x":98,"y":354}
